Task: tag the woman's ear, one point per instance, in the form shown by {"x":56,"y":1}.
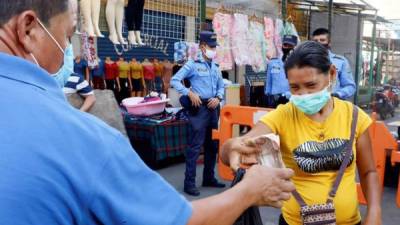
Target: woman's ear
{"x":332,"y":73}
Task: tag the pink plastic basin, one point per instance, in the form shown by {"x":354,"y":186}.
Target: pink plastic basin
{"x":144,"y":109}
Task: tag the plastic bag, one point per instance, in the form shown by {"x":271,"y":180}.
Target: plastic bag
{"x":252,"y":215}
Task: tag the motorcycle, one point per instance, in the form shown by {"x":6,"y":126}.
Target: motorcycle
{"x":383,"y":105}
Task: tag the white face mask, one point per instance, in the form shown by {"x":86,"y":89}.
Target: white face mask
{"x":210,"y":54}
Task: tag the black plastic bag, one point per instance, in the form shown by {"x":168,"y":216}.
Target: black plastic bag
{"x":252,"y":215}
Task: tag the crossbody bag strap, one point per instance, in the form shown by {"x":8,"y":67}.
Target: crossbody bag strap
{"x":347,"y":158}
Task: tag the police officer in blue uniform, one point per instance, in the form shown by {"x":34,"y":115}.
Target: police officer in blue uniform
{"x":345,"y":86}
{"x":202,"y":102}
{"x":277,"y":89}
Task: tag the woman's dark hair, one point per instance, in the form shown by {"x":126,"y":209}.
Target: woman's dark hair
{"x":309,"y":54}
{"x":45,"y":9}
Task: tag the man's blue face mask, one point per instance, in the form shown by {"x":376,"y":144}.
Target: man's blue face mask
{"x":62,"y":75}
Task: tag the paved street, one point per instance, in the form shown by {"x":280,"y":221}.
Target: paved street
{"x":391,"y":214}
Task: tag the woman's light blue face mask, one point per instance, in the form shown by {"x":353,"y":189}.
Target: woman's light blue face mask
{"x":62,"y":75}
{"x":311,"y":104}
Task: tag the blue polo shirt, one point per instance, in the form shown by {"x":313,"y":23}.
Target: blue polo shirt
{"x":62,"y":166}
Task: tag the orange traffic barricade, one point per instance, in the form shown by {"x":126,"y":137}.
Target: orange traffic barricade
{"x":381,"y":139}
{"x":395,"y":158}
{"x":230,"y":116}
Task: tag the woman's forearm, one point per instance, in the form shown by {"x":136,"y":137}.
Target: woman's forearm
{"x":371,"y":188}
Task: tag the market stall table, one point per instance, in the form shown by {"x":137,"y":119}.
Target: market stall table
{"x":156,"y":141}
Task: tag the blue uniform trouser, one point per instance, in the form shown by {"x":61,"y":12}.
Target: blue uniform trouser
{"x":202,"y":124}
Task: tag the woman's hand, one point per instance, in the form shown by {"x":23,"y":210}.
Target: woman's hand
{"x":244,"y":151}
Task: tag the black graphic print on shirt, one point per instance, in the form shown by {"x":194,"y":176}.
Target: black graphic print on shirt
{"x":314,"y":157}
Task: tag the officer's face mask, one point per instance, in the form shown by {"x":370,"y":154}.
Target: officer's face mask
{"x":67,"y":68}
{"x":311,"y":104}
{"x":210,"y":53}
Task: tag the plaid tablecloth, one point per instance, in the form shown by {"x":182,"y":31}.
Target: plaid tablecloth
{"x":168,"y":139}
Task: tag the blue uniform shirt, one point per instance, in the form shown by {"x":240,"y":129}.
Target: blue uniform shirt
{"x":206,"y":80}
{"x":62,"y":166}
{"x":276,"y":82}
{"x":345,"y":86}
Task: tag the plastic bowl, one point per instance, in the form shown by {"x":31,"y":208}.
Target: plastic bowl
{"x":133,"y":106}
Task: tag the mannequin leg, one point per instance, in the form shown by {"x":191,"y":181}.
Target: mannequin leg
{"x":110,"y":16}
{"x":138,"y":19}
{"x":129,"y":17}
{"x":119,"y":16}
{"x":95,"y":15}
{"x":86,"y":10}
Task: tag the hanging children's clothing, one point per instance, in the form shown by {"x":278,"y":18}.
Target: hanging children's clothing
{"x":193,"y":51}
{"x":269,"y":33}
{"x":240,"y":40}
{"x":180,"y":51}
{"x":222,"y":24}
{"x":257,"y":46}
{"x":279,"y":31}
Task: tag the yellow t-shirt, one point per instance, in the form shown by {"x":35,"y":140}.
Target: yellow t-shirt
{"x":124,"y":69}
{"x":309,"y":148}
{"x":136,"y":70}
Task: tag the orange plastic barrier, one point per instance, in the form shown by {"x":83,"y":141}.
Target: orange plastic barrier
{"x":381,"y":139}
{"x":395,"y":158}
{"x":233,"y":115}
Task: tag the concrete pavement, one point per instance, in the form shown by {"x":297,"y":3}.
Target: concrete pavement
{"x":175,"y":174}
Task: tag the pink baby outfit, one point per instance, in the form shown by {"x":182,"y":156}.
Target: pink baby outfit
{"x":269,"y":33}
{"x":222,"y":24}
{"x":258,"y":47}
{"x":240,"y":40}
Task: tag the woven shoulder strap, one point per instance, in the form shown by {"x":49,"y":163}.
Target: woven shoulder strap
{"x":346,"y":160}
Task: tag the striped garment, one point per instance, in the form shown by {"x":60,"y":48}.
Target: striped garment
{"x":77,"y":84}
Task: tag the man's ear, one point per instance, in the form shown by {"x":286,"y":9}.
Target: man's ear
{"x":28,"y":30}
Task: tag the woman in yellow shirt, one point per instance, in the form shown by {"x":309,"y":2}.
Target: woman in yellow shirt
{"x":314,"y":130}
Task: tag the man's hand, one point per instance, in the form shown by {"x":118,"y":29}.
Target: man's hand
{"x":213,"y":103}
{"x":195,"y":99}
{"x":268,"y":186}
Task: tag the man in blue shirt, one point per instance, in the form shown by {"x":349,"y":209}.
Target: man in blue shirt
{"x":277,"y":89}
{"x":345,"y":86}
{"x":61,"y":166}
{"x":202,"y":101}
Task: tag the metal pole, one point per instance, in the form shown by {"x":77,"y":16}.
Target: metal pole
{"x":284,"y":11}
{"x":371,"y":61}
{"x":358,"y":54}
{"x":203,"y":13}
{"x":309,"y":24}
{"x":330,"y":16}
